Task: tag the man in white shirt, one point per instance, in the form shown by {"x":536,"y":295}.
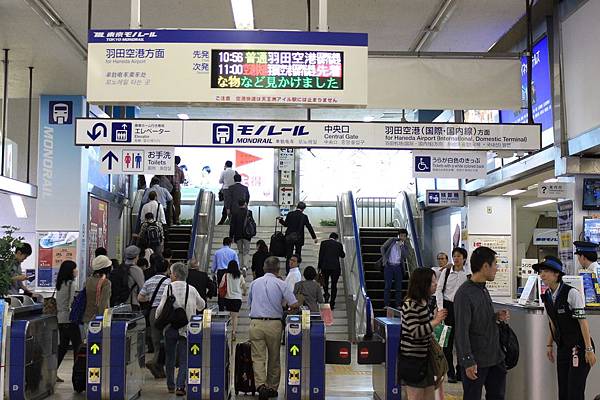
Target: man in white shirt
{"x":163,"y":196}
{"x":155,"y":208}
{"x":226,"y":180}
{"x":451,"y":278}
{"x":294,"y":276}
{"x":442,"y":260}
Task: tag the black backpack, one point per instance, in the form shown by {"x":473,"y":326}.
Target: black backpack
{"x":119,"y":281}
{"x":249,"y":225}
{"x":153,"y":236}
{"x":170,"y":314}
{"x":509,"y":343}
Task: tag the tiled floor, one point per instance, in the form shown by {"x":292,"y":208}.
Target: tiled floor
{"x":343,"y":382}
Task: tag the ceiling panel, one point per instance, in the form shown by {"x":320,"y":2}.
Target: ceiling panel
{"x":475,"y":25}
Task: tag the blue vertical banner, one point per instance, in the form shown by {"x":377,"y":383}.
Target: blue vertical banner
{"x":541,"y":90}
{"x":59,"y":164}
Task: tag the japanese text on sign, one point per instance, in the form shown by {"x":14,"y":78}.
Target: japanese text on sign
{"x":260,"y":69}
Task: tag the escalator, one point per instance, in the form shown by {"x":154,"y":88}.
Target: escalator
{"x":371,"y":240}
{"x":178,"y":240}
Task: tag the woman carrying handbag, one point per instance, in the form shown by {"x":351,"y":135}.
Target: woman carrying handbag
{"x":420,"y":358}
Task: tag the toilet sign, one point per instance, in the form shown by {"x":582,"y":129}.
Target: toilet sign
{"x":138,"y":160}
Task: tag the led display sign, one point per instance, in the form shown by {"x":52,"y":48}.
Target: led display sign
{"x":260,"y":69}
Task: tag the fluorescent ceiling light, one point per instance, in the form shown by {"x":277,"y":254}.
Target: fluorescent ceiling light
{"x":369,"y":118}
{"x":183,"y":116}
{"x":18,"y":206}
{"x":539,"y":203}
{"x":551,"y":180}
{"x":514,"y":192}
{"x":531,"y":187}
{"x":243,"y":14}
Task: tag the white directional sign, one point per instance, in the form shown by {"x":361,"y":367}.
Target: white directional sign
{"x":447,"y":164}
{"x":554,"y":190}
{"x":140,"y":132}
{"x":138,"y":160}
{"x":294,"y":134}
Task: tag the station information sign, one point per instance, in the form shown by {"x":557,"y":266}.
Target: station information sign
{"x":294,"y":134}
{"x":295,"y":69}
{"x":179,"y":66}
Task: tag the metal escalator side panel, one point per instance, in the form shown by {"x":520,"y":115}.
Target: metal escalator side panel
{"x":219,"y":361}
{"x":317,"y":361}
{"x":16,"y":375}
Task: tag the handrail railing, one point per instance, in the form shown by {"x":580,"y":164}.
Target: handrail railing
{"x":136,"y":210}
{"x":203,"y":222}
{"x":358,"y":303}
{"x":375,"y":211}
{"x":405,"y":218}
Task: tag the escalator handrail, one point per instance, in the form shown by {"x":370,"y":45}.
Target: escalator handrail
{"x":361,"y":270}
{"x":195,"y":222}
{"x":413,"y":229}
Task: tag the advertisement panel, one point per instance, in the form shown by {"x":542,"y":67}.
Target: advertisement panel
{"x":202,"y":169}
{"x":97,"y":226}
{"x":541,"y":90}
{"x":361,"y":135}
{"x":502,"y":245}
{"x":227,"y":67}
{"x":53,"y":249}
{"x":565,"y":235}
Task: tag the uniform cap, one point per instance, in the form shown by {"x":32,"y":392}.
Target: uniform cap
{"x":549,"y":263}
{"x":585,"y":247}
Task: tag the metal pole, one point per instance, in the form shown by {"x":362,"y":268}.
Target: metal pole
{"x":529,"y":61}
{"x":135,"y":20}
{"x":29,"y":122}
{"x":4,"y":109}
{"x":89,"y":26}
{"x":323,"y":16}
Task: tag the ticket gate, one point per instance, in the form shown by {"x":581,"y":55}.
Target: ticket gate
{"x":382,"y":353}
{"x":209,"y":357}
{"x":306,"y":353}
{"x":115,"y":355}
{"x":31,"y":356}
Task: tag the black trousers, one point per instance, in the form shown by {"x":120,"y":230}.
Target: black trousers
{"x":334,"y":274}
{"x":68,"y":333}
{"x":292,"y":248}
{"x":450,"y":321}
{"x":492,"y":378}
{"x":571,"y":380}
{"x":220,"y":300}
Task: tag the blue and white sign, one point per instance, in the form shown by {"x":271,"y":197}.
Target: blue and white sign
{"x":445,"y":198}
{"x":445,"y":164}
{"x":138,"y":160}
{"x":140,"y":132}
{"x":182,"y":66}
{"x":541,"y":90}
{"x":291,"y":134}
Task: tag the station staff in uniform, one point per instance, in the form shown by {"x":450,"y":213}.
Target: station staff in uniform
{"x":587,"y":256}
{"x":568,"y":329}
{"x":267,"y":294}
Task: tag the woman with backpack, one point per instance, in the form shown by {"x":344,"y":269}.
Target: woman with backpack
{"x":68,"y":331}
{"x":97,"y":288}
{"x":309,"y":291}
{"x":569,"y":329}
{"x":415,"y":365}
{"x":233,"y":286}
{"x":177,"y":295}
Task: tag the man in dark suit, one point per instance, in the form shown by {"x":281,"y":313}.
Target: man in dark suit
{"x":200,"y":280}
{"x":237,"y":225}
{"x":235,"y":193}
{"x":330,"y":253}
{"x":295,"y":222}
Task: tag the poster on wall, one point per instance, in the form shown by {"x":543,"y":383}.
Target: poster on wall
{"x":53,"y":249}
{"x":501,"y":244}
{"x":565,"y":234}
{"x":97,"y":226}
